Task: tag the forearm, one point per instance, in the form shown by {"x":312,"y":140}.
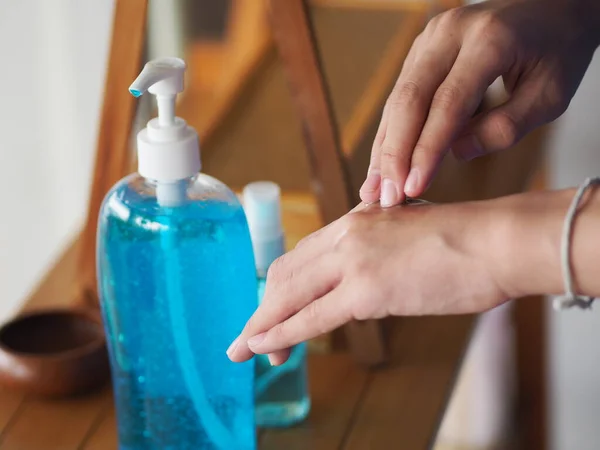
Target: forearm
{"x":524,"y":242}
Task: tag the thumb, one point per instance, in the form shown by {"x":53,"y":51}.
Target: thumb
{"x":504,"y":126}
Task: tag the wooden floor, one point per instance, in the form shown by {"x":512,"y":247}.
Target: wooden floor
{"x":396,"y":407}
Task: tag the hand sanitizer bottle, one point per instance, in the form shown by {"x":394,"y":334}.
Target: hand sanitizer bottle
{"x":176,"y":281}
{"x":281,"y":392}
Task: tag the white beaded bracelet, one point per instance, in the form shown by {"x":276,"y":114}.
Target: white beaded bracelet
{"x":570,"y":299}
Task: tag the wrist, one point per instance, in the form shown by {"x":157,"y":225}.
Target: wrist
{"x":521,"y":242}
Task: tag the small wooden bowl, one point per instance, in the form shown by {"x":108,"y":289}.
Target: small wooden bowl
{"x":54,"y":353}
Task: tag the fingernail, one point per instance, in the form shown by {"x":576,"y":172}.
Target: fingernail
{"x":256,"y":340}
{"x":372,"y":182}
{"x":233,"y":346}
{"x":412,"y":182}
{"x":389,"y":193}
{"x":271,"y":359}
{"x":468,"y":148}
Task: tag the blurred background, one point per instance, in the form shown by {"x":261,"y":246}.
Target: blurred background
{"x":54,"y":57}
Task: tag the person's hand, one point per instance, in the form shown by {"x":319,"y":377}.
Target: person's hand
{"x":541,"y":49}
{"x":371,"y":263}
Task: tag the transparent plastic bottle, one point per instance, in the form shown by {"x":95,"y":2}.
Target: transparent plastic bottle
{"x":282,"y":397}
{"x":176,"y":277}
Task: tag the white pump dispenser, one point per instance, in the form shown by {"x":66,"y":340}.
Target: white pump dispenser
{"x":168,"y":149}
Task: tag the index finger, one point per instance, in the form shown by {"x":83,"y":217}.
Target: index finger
{"x":318,"y":317}
{"x":455,"y":101}
{"x":408,"y":108}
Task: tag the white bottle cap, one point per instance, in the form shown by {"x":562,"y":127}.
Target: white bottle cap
{"x":262,"y":205}
{"x":168,"y":148}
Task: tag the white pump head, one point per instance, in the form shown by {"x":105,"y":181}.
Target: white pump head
{"x":262,"y":205}
{"x":168,"y":148}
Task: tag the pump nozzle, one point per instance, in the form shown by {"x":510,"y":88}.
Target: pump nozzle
{"x":162,"y":77}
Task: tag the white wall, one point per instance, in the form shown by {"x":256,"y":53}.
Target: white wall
{"x":53,"y":55}
{"x":479,"y":411}
{"x":575,"y":336}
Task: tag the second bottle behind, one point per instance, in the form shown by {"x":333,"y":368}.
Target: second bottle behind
{"x":281,"y":392}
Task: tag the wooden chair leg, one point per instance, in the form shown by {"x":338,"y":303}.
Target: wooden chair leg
{"x":113,"y":152}
{"x":295,"y":39}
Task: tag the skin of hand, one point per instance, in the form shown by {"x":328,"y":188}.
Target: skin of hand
{"x":420,"y":260}
{"x":540,"y":48}
{"x":371,"y":263}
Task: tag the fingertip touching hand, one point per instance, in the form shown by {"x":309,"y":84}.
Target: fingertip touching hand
{"x":541,"y":50}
